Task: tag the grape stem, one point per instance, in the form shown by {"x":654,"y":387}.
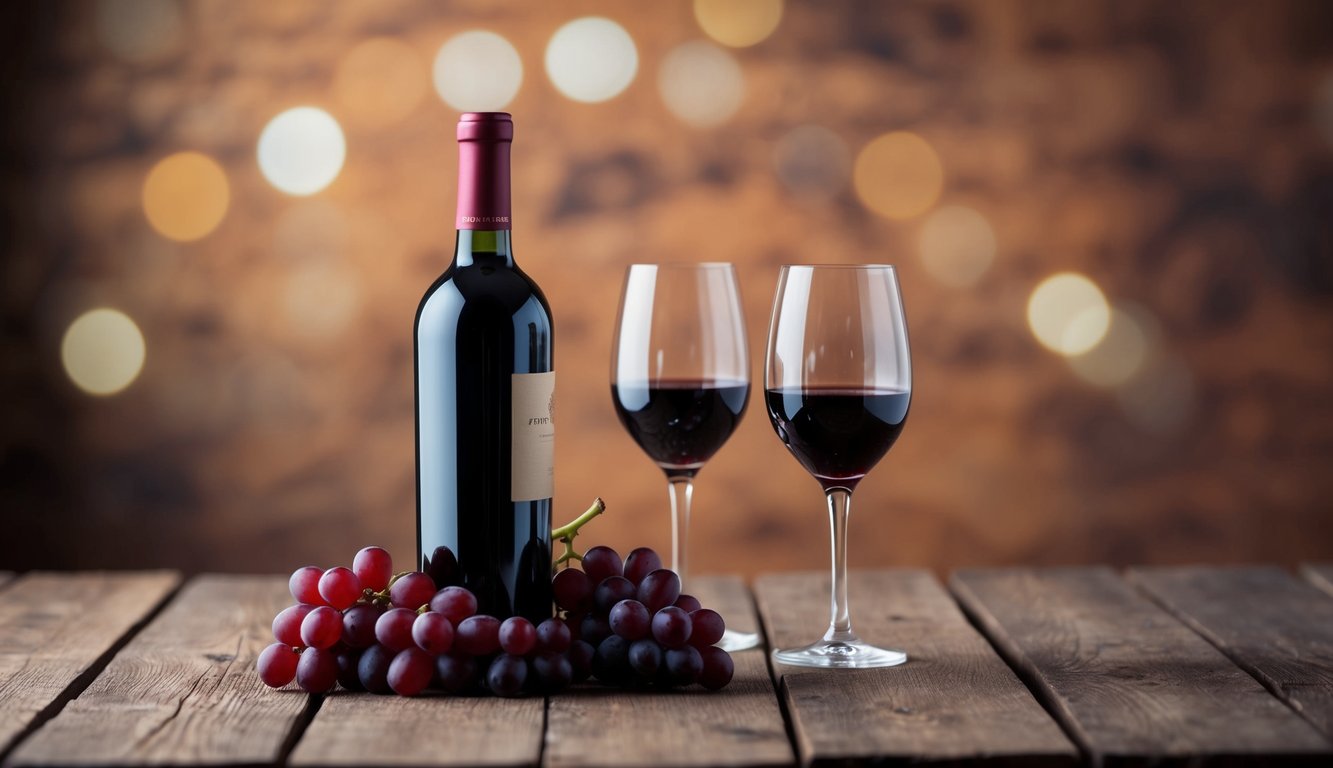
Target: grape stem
{"x":566,"y":533}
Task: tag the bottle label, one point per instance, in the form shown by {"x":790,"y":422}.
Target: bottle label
{"x":533,"y":436}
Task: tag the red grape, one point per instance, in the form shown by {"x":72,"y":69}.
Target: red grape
{"x":304,"y":585}
{"x":553,"y":636}
{"x":455,"y":603}
{"x":602,"y":563}
{"x":433,"y":633}
{"x":373,"y":567}
{"x":277,"y":665}
{"x":683,"y":665}
{"x":517,"y":636}
{"x":347,"y":669}
{"x":659,"y":589}
{"x":708,"y":627}
{"x":339,"y":587}
{"x":611,"y":591}
{"x":573,"y":590}
{"x":645,"y":658}
{"x":373,"y":669}
{"x":688,"y":603}
{"x":412,"y":591}
{"x":317,"y":671}
{"x":580,"y":656}
{"x":672,"y":627}
{"x":321,"y":628}
{"x":718,"y":668}
{"x":359,"y":625}
{"x":455,"y":672}
{"x":553,"y":671}
{"x":640,"y":563}
{"x":630,"y":620}
{"x":611,"y":663}
{"x":394,"y":629}
{"x":594,"y":629}
{"x":287,"y":624}
{"x":507,"y":675}
{"x":478,"y":636}
{"x":411,"y":671}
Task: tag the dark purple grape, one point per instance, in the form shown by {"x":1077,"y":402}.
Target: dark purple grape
{"x":645,"y":658}
{"x":455,"y":604}
{"x":393,"y":629}
{"x":411,"y":671}
{"x":594,"y":629}
{"x":359,"y":625}
{"x":718,"y":668}
{"x":317,"y":671}
{"x":553,"y":636}
{"x":659,"y":589}
{"x":683,"y":665}
{"x":688,"y":603}
{"x":708,"y":627}
{"x":580,"y":655}
{"x":506,"y":675}
{"x":573,"y":590}
{"x":611,"y":663}
{"x":672,"y":627}
{"x":640,"y":563}
{"x":442,"y":567}
{"x":630,"y":620}
{"x":433,"y":633}
{"x":612,"y":591}
{"x":287,"y":624}
{"x":373,"y":669}
{"x":412,"y":591}
{"x":347,"y":672}
{"x":321,"y":628}
{"x":455,"y":672}
{"x":601,"y":563}
{"x":517,"y":636}
{"x":553,"y":671}
{"x":277,"y":665}
{"x":478,"y":636}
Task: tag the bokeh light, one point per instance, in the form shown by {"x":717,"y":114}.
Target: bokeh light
{"x":812,"y":161}
{"x":738,"y":23}
{"x":1129,"y":341}
{"x":701,"y":84}
{"x":302,"y":150}
{"x":103,"y":351}
{"x":1068,"y":313}
{"x":139,"y":30}
{"x":591,"y":59}
{"x":477,"y":71}
{"x":380,"y":82}
{"x":185,"y":196}
{"x":957,"y":245}
{"x":1160,"y":399}
{"x":898,"y":175}
{"x":310,"y":228}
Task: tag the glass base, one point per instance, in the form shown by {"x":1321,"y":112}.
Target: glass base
{"x":852,"y":654}
{"x":733,"y":641}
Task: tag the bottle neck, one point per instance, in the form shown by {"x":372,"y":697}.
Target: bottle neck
{"x":483,"y":185}
{"x":486,"y":247}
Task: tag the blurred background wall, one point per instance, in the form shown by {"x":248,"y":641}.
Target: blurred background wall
{"x":1113,"y":220}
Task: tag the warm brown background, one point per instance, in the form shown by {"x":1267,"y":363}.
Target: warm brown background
{"x":1179,"y":154}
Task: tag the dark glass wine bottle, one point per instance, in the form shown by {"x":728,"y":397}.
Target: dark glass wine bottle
{"x":484,"y":398}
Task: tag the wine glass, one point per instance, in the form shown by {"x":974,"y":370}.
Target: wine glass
{"x":680,"y":379}
{"x":838,"y":383}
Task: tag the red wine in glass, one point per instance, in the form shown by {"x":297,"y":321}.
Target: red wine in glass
{"x":838,"y":434}
{"x":680,"y":424}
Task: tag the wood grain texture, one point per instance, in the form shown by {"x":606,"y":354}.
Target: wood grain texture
{"x":1320,"y":575}
{"x":740,"y":725}
{"x":57,"y":630}
{"x":1271,"y":624}
{"x":1131,"y":684}
{"x":184,"y":691}
{"x":953,"y":702}
{"x":361,"y":729}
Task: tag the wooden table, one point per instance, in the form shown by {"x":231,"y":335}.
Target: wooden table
{"x":1015,"y":666}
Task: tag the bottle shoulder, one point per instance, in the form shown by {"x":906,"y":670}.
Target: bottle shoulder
{"x":483,"y":289}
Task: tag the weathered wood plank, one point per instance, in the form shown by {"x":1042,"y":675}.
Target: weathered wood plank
{"x":57,"y":630}
{"x":184,"y":690}
{"x":361,"y":729}
{"x":953,"y":702}
{"x":1319,"y":574}
{"x":740,"y":725}
{"x":1273,"y":625}
{"x":1131,"y":684}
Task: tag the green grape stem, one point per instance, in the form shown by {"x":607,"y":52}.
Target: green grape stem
{"x":566,"y":534}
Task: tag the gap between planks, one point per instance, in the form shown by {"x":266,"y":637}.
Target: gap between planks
{"x":58,"y":631}
{"x":954,"y":702}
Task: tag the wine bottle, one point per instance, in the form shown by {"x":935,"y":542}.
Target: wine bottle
{"x":485,"y":398}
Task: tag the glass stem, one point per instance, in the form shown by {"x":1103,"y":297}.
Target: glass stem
{"x":681,"y":488}
{"x":840,"y":622}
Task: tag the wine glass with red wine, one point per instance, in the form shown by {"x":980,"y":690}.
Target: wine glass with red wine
{"x":838,"y":384}
{"x":680,"y":379}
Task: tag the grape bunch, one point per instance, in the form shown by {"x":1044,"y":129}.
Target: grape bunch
{"x":640,"y":630}
{"x":368,"y":629}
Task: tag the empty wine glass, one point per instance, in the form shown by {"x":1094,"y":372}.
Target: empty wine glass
{"x":838,"y":383}
{"x":680,"y":379}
